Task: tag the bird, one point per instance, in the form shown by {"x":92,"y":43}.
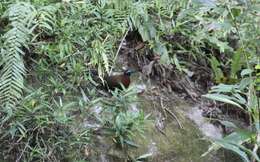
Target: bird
{"x":116,"y":81}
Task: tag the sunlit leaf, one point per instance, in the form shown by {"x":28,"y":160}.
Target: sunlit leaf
{"x":215,"y":67}
{"x":222,"y":98}
{"x":144,"y":156}
{"x":231,"y":142}
{"x":236,"y":63}
{"x":228,"y":124}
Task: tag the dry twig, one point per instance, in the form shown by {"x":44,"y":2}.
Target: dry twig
{"x":172,"y":114}
{"x":118,"y":50}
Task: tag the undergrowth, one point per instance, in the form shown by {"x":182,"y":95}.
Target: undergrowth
{"x":53,"y":46}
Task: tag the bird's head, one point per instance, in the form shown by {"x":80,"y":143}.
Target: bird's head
{"x":128,"y":72}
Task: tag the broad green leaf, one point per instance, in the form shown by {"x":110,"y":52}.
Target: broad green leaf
{"x":228,"y":124}
{"x":215,"y":67}
{"x":244,"y":83}
{"x":131,"y":143}
{"x":250,"y":152}
{"x":239,"y":98}
{"x":161,"y":50}
{"x":176,"y":63}
{"x":233,"y":148}
{"x":257,"y":67}
{"x":246,"y":72}
{"x":222,"y":88}
{"x":238,"y":138}
{"x":222,"y":45}
{"x":222,"y":98}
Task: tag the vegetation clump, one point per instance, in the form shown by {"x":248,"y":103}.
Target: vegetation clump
{"x":48,"y":49}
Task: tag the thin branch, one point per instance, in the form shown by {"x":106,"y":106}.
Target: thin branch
{"x":118,"y":50}
{"x":175,"y":117}
{"x":172,"y":114}
{"x":164,"y":112}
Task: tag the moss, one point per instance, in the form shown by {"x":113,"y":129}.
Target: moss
{"x":177,"y":144}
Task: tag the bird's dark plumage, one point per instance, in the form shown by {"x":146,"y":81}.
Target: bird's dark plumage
{"x":116,"y":81}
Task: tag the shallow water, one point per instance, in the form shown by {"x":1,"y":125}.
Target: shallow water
{"x":164,"y":140}
{"x":207,"y":129}
{"x":175,"y":144}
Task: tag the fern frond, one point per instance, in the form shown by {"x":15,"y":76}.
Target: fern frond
{"x":46,"y":17}
{"x":21,"y":17}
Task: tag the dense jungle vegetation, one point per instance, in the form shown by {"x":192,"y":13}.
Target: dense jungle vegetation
{"x":50,"y":48}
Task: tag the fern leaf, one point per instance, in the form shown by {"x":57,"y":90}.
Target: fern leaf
{"x":20,"y":16}
{"x":46,"y":18}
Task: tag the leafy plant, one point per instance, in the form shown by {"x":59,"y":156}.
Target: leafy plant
{"x":21,"y":17}
{"x":235,"y":95}
{"x":24,"y":18}
{"x":60,"y":42}
{"x":42,"y":130}
{"x":241,"y":93}
{"x":215,"y":65}
{"x":122,"y":122}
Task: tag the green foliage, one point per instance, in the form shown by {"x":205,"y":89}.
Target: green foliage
{"x":21,"y":17}
{"x":215,"y":65}
{"x":236,"y":64}
{"x":24,"y":18}
{"x":238,"y":20}
{"x":74,"y":39}
{"x":257,"y":69}
{"x":42,"y":130}
{"x":62,"y":40}
{"x":120,"y":120}
{"x":46,"y":18}
{"x":125,"y":126}
{"x":244,"y":96}
{"x":100,"y":55}
{"x":233,"y":142}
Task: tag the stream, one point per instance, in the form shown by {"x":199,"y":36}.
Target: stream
{"x":177,"y":131}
